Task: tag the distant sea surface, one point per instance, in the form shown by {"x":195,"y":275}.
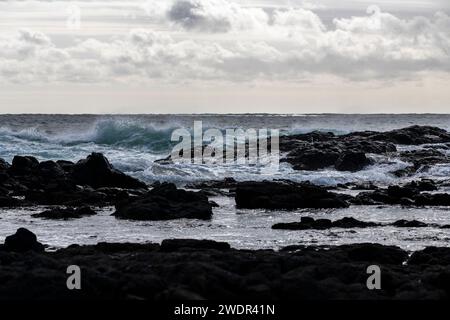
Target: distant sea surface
{"x":132,"y":144}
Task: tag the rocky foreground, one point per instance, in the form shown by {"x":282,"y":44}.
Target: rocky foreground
{"x":200,"y":269}
{"x":194,"y":270}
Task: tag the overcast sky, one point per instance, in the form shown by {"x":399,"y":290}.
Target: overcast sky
{"x":224,"y":56}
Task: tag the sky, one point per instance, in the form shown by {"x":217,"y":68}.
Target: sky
{"x":225,"y":56}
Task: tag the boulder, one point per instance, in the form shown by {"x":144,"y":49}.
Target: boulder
{"x":24,"y":164}
{"x":165,"y":202}
{"x":97,"y":172}
{"x":285,"y":195}
{"x":23,"y":240}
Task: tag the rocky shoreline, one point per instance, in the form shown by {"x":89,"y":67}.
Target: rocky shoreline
{"x":203,"y":269}
{"x":183,"y":269}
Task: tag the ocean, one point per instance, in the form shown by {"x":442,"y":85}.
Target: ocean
{"x":132,"y":143}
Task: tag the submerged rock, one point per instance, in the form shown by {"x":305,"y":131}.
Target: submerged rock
{"x":66,"y":213}
{"x":165,"y":202}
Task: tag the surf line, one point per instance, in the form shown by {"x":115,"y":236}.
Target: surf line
{"x":236,"y":146}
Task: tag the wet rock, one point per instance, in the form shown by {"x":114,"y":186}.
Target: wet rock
{"x":414,"y":135}
{"x":96,"y":171}
{"x":352,"y":161}
{"x":165,"y":202}
{"x":66,"y":213}
{"x":307,"y":223}
{"x":420,"y":158}
{"x":284,"y":195}
{"x":437,"y":199}
{"x":23,"y":240}
{"x":423,"y":185}
{"x":408,"y":195}
{"x":318,"y":150}
{"x":409,"y":224}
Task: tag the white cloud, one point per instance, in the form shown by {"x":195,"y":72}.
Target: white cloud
{"x":240,"y":44}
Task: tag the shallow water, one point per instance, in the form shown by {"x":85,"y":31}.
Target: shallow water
{"x":246,"y":229}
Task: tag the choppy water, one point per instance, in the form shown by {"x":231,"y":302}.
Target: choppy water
{"x":132,"y":143}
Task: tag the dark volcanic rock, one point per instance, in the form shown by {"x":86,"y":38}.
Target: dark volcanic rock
{"x":308,"y":223}
{"x":436,"y":199}
{"x":284,"y":195}
{"x":414,"y":135}
{"x":371,"y":252}
{"x":9,"y":202}
{"x":23,"y":240}
{"x":96,"y":171}
{"x":431,"y":256}
{"x":409,"y":195}
{"x":319,"y":150}
{"x":63,"y":183}
{"x":352,"y":161}
{"x":165,"y":202}
{"x":322,"y":150}
{"x":170,"y":245}
{"x":204,"y":270}
{"x":24,"y":164}
{"x":409,"y":224}
{"x":420,"y":158}
{"x":4,"y":165}
{"x":66,"y":213}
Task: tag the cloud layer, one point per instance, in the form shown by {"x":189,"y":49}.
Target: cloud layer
{"x":221,"y":41}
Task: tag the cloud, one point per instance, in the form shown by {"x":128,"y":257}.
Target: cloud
{"x":240,"y":45}
{"x":216,"y":15}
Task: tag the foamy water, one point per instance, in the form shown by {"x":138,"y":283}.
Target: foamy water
{"x":133,"y":143}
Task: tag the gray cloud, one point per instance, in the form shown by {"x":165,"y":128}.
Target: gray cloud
{"x":191,"y":15}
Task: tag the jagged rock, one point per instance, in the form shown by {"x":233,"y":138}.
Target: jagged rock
{"x":96,"y":171}
{"x":319,"y":150}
